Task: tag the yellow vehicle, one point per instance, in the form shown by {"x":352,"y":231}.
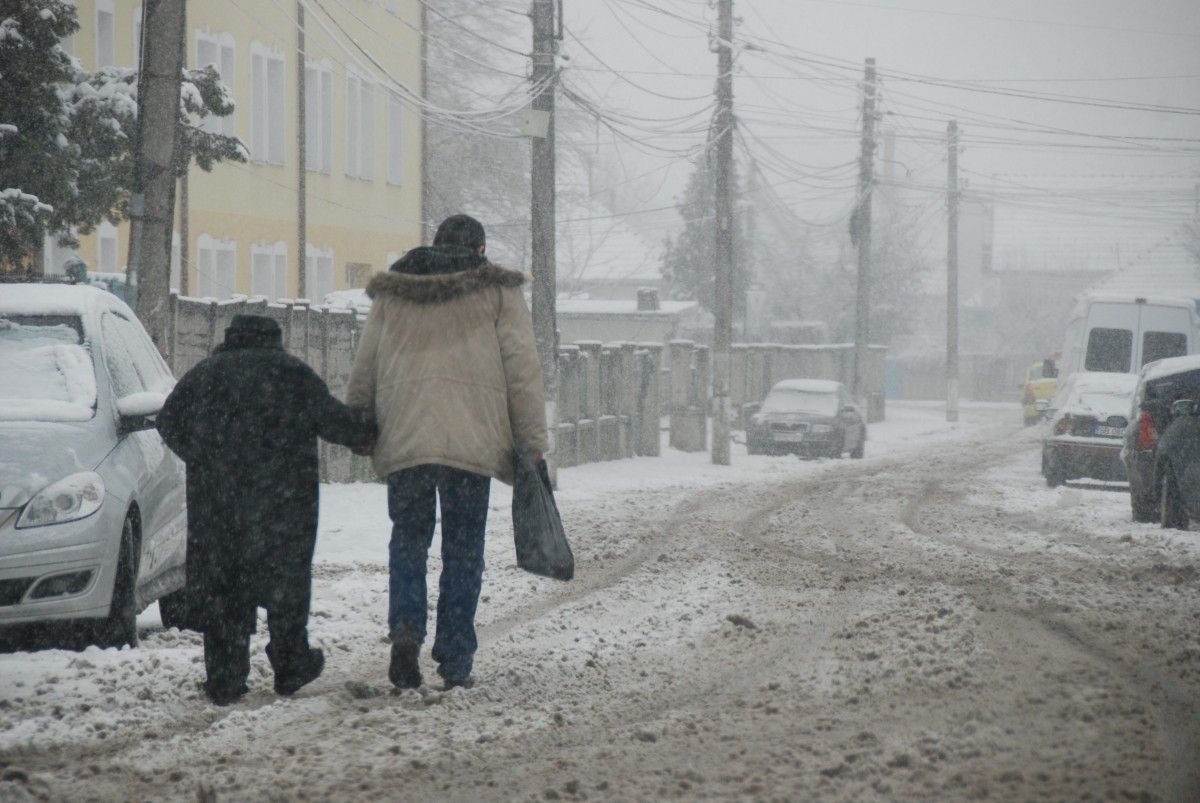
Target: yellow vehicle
{"x":1041,"y":380}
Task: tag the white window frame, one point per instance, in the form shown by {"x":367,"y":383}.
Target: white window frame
{"x":395,"y":139}
{"x":223,"y":47}
{"x":268,"y":100}
{"x":318,"y":272}
{"x":54,"y":256}
{"x":176,"y":261}
{"x":360,"y":125}
{"x":137,"y":38}
{"x":216,"y":267}
{"x":105,"y":34}
{"x":108,"y":249}
{"x":269,"y":270}
{"x":318,"y":116}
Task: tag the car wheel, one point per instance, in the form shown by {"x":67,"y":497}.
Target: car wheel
{"x":172,"y":609}
{"x":120,"y":626}
{"x":1171,"y":512}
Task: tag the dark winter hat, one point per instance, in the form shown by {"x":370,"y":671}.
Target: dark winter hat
{"x":461,"y":230}
{"x":250,"y":331}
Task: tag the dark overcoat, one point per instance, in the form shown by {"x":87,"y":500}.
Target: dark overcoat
{"x":246,"y":422}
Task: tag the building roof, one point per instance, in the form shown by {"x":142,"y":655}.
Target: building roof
{"x":1090,"y":222}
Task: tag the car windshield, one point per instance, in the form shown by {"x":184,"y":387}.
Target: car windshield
{"x":47,"y":369}
{"x":800,"y":401}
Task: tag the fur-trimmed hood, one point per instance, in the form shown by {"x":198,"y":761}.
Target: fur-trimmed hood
{"x":435,"y":274}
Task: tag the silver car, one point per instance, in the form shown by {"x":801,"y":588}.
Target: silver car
{"x":92,"y":504}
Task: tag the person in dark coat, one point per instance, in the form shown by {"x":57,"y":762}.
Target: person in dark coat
{"x":246,"y":422}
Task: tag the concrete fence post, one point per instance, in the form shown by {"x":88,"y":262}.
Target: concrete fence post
{"x":649,"y":403}
{"x":627,"y":397}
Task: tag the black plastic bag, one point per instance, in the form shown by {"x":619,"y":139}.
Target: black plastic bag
{"x":538,"y":533}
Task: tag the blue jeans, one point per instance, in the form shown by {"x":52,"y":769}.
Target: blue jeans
{"x":413,"y":495}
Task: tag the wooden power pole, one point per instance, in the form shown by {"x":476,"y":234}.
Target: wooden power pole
{"x":861,"y":231}
{"x":152,"y":205}
{"x":723,"y":253}
{"x":952,"y":273}
{"x":542,"y":211}
{"x":302,"y":288}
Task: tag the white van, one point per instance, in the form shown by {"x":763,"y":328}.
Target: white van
{"x":1120,"y":333}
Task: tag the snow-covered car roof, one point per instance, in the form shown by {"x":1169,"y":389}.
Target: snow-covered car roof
{"x":1169,"y":366}
{"x":806,"y":386}
{"x":56,"y":299}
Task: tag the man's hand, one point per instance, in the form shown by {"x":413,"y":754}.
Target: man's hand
{"x":537,"y":457}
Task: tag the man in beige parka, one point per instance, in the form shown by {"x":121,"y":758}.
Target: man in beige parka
{"x":448,"y":361}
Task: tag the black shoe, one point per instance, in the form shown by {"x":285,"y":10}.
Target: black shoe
{"x":294,"y":681}
{"x":405,"y":669}
{"x":459,"y":683}
{"x":222,"y":696}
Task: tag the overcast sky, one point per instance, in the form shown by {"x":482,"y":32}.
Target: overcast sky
{"x":1121,"y":78}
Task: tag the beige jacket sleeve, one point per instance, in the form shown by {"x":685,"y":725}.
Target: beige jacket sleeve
{"x":522,"y":372}
{"x":361,"y":391}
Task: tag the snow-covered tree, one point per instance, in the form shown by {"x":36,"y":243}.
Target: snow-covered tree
{"x":689,"y":259}
{"x":898,"y":267}
{"x":67,"y":136}
{"x":476,"y":164}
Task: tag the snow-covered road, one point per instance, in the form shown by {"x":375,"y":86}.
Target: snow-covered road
{"x":929,"y":623}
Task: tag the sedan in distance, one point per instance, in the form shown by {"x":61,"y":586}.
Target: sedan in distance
{"x":807,"y":417}
{"x":1088,"y":416}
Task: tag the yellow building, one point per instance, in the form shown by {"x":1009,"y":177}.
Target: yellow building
{"x":241,"y":223}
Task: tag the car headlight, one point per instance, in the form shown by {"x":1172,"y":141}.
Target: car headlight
{"x":822,"y":428}
{"x":71,"y":498}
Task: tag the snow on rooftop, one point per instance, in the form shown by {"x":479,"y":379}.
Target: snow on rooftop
{"x":1090,"y":222}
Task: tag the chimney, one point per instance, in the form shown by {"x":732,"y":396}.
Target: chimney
{"x":647,"y":299}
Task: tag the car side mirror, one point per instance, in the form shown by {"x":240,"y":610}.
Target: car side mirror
{"x":1049,"y":370}
{"x":137,"y":411}
{"x":1182,"y":407}
{"x":849,"y":408}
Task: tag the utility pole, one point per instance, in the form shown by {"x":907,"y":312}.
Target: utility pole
{"x":301,"y":157}
{"x":860,"y":230}
{"x":723,"y":253}
{"x":542,"y":240}
{"x":952,"y":273}
{"x":152,"y":206}
{"x":428,"y":224}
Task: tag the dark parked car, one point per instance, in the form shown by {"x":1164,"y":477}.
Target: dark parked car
{"x":1160,"y":385}
{"x":1088,"y":415}
{"x":807,"y":417}
{"x":1178,"y":466}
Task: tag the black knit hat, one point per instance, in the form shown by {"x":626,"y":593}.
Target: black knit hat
{"x":248,"y":331}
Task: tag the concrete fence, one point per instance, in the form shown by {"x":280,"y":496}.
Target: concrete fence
{"x":324,"y":337}
{"x":753,"y":370}
{"x":612,"y":397}
{"x":608,"y":401}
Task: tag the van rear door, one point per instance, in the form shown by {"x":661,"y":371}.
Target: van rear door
{"x":1111,"y":329}
{"x":1122,"y":337}
{"x":1165,"y":332}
